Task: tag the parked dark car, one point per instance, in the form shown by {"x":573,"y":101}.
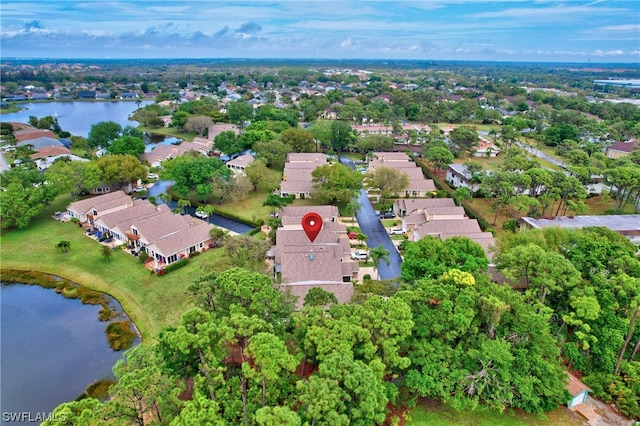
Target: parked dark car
{"x":387,"y":215}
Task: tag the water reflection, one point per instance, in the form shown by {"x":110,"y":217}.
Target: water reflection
{"x":152,"y":140}
{"x":162,"y":186}
{"x":52,"y":348}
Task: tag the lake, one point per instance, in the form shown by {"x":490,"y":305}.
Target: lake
{"x":52,"y":348}
{"x":78,"y":117}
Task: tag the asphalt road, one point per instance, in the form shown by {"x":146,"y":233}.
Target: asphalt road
{"x":4,"y":165}
{"x":372,"y":227}
{"x":541,"y":154}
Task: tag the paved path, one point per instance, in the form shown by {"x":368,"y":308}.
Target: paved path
{"x":372,"y":227}
{"x":540,"y":154}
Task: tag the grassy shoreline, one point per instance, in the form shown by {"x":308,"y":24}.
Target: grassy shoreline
{"x":151,"y":302}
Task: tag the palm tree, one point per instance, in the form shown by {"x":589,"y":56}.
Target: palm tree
{"x":361,"y":237}
{"x":377,"y":254}
{"x":354,"y":207}
{"x":274,"y":201}
{"x":206,"y":209}
{"x":461,"y":194}
{"x":63,"y":246}
{"x":183,"y":204}
{"x":163,"y":197}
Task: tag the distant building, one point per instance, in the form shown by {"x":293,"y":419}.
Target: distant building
{"x":419,"y":186}
{"x":296,"y":178}
{"x":238,"y":164}
{"x":578,"y":391}
{"x":627,"y":225}
{"x":620,"y":149}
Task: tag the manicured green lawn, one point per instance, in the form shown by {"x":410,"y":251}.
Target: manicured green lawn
{"x":250,"y":207}
{"x":151,"y":301}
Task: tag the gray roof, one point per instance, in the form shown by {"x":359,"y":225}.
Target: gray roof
{"x":41,"y":142}
{"x":619,"y":223}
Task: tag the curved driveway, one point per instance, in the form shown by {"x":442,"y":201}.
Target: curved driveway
{"x":372,"y":227}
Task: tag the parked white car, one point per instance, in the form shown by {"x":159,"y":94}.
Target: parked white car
{"x":396,"y":231}
{"x":360,"y":255}
{"x":202,"y":215}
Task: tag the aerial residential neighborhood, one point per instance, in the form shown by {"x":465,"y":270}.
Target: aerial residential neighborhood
{"x":479,"y":231}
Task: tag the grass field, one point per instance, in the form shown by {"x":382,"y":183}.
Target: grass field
{"x":152,"y":302}
{"x":432,"y":413}
{"x":169,"y":131}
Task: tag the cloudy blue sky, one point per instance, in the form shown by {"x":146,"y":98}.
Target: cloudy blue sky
{"x":515,"y":30}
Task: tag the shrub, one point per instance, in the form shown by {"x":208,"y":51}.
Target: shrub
{"x":177,"y":265}
{"x":366,"y":277}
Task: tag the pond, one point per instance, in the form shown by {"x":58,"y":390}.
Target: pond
{"x":234,"y":225}
{"x":52,"y":348}
{"x":78,"y":117}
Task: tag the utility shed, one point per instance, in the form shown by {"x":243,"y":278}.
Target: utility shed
{"x":578,"y":390}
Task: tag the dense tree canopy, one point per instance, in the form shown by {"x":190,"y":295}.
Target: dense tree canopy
{"x":195,"y":173}
{"x":335,"y":183}
{"x":25,"y":193}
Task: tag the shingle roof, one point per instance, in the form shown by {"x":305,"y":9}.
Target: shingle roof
{"x":575,"y":386}
{"x":423,"y":185}
{"x":448,"y":226}
{"x":316,"y":157}
{"x":41,"y":142}
{"x":320,"y":261}
{"x":627,"y":146}
{"x":140,"y":208}
{"x":100,"y":202}
{"x":294,"y":214}
{"x":412,"y":204}
{"x":241,"y":161}
{"x":29,"y":133}
{"x":124,"y":226}
{"x":51,"y":151}
{"x":183,"y":239}
{"x":160,"y":226}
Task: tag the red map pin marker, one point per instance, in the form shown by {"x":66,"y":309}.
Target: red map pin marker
{"x":312,"y":224}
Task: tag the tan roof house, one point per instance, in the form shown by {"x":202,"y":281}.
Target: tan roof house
{"x":404,"y":206}
{"x":181,"y":244}
{"x":419,"y":186}
{"x":238,"y":164}
{"x":326,"y":262}
{"x":92,"y":208}
{"x":420,"y":216}
{"x":296,"y":178}
{"x":138,"y":210}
